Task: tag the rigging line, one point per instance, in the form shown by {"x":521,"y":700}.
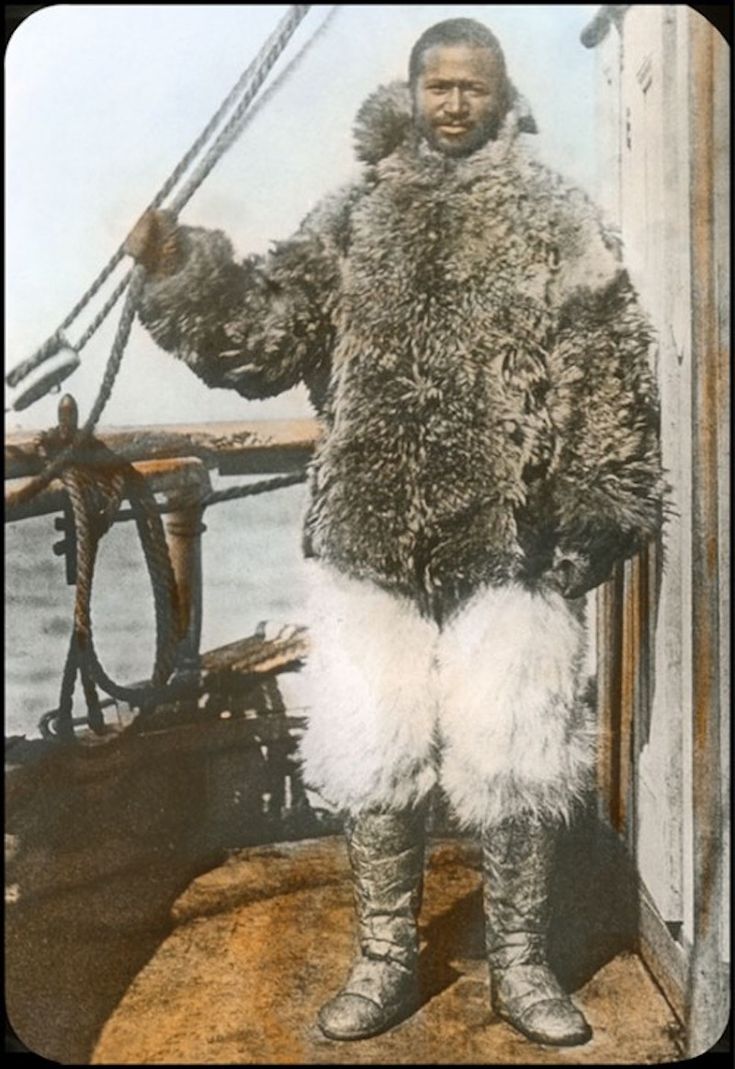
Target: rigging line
{"x":274,"y":47}
{"x":63,"y":458}
{"x":104,"y":311}
{"x":225,"y":139}
{"x":244,"y":114}
{"x":264,"y":486}
{"x":266,"y":57}
{"x":270,"y":53}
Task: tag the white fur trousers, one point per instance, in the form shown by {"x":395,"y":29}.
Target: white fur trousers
{"x":488,"y":706}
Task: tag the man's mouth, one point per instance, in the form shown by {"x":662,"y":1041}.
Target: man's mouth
{"x":452,"y":129}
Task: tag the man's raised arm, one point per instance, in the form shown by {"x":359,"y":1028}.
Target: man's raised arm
{"x":258,"y":326}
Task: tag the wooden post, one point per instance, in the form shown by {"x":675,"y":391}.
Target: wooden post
{"x":707,"y":994}
{"x":184,"y":529}
{"x":609,"y":676}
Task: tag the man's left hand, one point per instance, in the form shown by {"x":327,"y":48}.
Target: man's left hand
{"x":574,"y":574}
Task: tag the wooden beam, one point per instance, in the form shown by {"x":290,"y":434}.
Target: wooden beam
{"x":664,"y":958}
{"x":235,"y":448}
{"x":174,"y":476}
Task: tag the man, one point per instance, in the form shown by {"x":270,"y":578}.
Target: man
{"x":475,"y":351}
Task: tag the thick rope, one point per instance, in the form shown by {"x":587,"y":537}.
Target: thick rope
{"x":165,"y":594}
{"x":95,"y":496}
{"x":127,"y":316}
{"x":255,"y":73}
{"x":169,"y":611}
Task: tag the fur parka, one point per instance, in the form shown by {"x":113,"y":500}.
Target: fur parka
{"x":475,"y":351}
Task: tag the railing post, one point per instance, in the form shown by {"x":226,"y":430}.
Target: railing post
{"x":184,"y":529}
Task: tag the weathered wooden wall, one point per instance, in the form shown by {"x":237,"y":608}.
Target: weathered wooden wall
{"x":663,"y":641}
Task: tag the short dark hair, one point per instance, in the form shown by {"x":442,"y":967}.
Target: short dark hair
{"x":452,"y":32}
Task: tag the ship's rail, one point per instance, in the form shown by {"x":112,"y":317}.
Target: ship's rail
{"x":176,"y":462}
{"x":258,"y":447}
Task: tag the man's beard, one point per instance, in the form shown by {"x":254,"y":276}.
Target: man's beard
{"x":476,"y":137}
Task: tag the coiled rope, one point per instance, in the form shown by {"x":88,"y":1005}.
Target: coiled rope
{"x":95,"y":496}
{"x":95,"y":491}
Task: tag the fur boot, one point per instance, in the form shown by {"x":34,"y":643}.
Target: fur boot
{"x":517,"y":856}
{"x":386,"y":853}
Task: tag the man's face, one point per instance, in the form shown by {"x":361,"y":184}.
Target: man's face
{"x":460,"y":97}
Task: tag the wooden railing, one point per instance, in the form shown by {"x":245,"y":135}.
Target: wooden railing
{"x":241,"y":448}
{"x":176,"y":462}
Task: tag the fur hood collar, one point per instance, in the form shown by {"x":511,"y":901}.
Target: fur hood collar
{"x":384,"y":122}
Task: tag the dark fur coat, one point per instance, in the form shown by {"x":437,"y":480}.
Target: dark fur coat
{"x":474,"y":348}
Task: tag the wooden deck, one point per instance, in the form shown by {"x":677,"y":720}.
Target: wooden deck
{"x":261,"y":941}
{"x":147,"y":924}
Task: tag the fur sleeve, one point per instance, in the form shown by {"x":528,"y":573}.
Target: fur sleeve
{"x":259,"y":326}
{"x":608,"y":485}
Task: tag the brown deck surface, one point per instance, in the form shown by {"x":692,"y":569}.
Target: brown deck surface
{"x":260,"y":942}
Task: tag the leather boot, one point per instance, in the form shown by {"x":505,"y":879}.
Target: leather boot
{"x":517,"y":857}
{"x":386,"y":852}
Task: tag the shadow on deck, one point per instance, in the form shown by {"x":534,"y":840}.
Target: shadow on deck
{"x":260,"y":942}
{"x":151,"y":963}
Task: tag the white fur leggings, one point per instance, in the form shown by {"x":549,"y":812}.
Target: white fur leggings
{"x":488,"y":706}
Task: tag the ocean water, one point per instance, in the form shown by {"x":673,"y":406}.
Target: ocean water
{"x":252,"y":570}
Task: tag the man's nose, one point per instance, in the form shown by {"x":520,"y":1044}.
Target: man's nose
{"x":455,"y":102}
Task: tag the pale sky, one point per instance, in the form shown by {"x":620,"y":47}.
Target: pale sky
{"x":103,"y":100}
